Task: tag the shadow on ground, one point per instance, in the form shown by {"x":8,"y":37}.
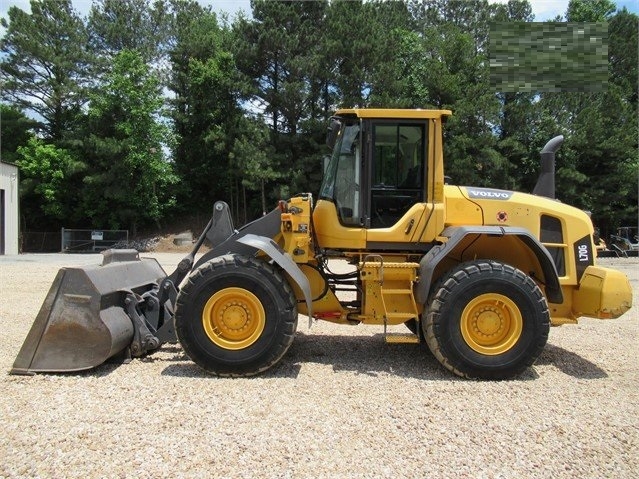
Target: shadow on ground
{"x":359,"y":355}
{"x":370,"y":355}
{"x":570,"y":363}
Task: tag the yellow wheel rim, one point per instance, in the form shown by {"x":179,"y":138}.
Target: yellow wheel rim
{"x":233,"y":318}
{"x":491,"y":324}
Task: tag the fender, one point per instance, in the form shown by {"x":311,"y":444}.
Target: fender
{"x":224,"y":239}
{"x":272,"y":249}
{"x":456,"y":234}
{"x":244,"y":241}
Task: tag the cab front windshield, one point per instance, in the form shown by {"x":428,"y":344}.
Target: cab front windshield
{"x":341,"y":183}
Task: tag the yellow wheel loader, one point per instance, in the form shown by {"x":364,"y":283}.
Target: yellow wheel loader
{"x":478,"y":274}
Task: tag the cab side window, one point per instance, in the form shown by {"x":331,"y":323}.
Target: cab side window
{"x":398,"y":171}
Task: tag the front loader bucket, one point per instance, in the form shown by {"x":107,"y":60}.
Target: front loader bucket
{"x":82,"y":321}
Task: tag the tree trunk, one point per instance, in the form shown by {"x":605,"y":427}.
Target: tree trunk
{"x":232,"y":193}
{"x":244,"y":195}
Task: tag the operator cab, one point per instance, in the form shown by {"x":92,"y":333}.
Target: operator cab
{"x":379,"y":168}
{"x":395,"y":172}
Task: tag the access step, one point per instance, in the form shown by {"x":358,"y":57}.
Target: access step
{"x":401,"y":316}
{"x":399,"y":338}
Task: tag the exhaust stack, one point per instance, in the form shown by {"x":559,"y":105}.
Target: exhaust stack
{"x":546,"y":182}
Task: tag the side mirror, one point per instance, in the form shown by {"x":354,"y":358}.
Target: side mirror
{"x":333,"y":132}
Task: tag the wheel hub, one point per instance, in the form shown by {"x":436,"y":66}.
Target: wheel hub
{"x":233,"y":318}
{"x":487,"y":322}
{"x":491,"y":324}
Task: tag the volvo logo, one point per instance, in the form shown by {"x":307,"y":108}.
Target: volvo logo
{"x":489,"y":194}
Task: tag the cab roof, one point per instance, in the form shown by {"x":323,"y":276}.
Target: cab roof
{"x":392,"y":113}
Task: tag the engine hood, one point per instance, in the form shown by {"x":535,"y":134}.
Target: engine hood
{"x":492,"y":206}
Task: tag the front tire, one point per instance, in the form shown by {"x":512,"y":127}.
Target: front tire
{"x":487,"y":320}
{"x":235,"y":316}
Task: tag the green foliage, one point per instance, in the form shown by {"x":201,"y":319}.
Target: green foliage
{"x":15,"y":131}
{"x":518,"y":131}
{"x":590,"y":10}
{"x":623,"y":31}
{"x":252,"y":157}
{"x":283,"y":56}
{"x":129,"y":180}
{"x":139,"y":25}
{"x":44,"y":63}
{"x":46,"y":174}
{"x":276,"y":51}
{"x":205,"y":109}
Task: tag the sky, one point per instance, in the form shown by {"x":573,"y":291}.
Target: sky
{"x":544,"y":10}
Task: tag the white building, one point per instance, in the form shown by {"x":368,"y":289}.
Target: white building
{"x":8,"y":208}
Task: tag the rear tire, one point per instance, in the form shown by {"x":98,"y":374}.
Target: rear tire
{"x":235,"y":316}
{"x":487,"y":320}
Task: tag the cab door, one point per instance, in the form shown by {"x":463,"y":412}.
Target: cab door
{"x":398,"y":171}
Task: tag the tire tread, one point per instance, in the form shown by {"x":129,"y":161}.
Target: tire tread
{"x":444,"y":289}
{"x":288,"y":315}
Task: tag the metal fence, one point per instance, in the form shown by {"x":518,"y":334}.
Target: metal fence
{"x":75,"y":240}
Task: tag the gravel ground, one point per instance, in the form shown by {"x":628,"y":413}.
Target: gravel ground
{"x":341,"y":403}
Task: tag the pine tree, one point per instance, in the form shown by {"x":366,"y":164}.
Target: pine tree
{"x":45,"y":63}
